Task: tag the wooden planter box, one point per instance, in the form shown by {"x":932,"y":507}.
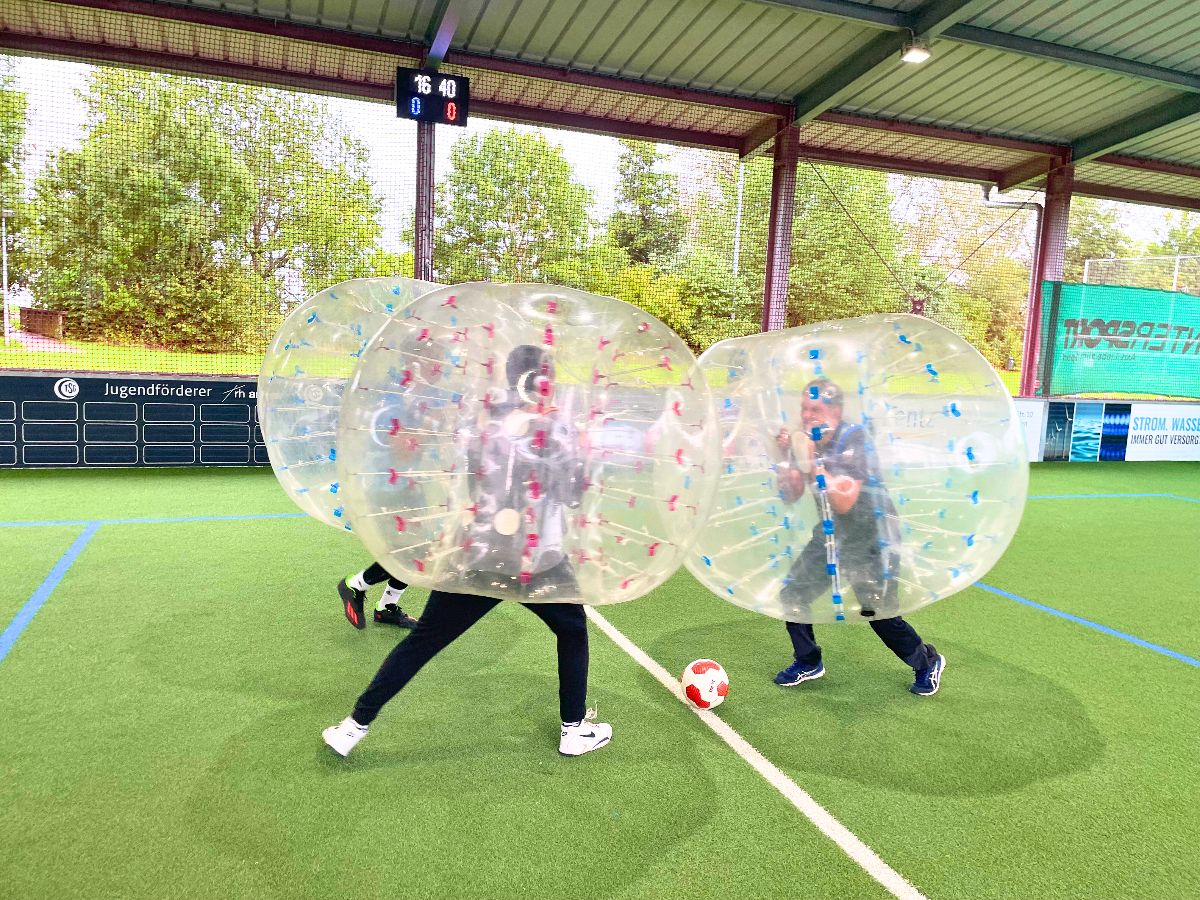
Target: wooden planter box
{"x":43,"y":321}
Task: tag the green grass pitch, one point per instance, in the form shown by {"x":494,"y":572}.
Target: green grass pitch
{"x":160,"y":719}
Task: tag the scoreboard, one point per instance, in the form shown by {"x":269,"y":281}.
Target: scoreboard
{"x":432,"y":97}
{"x":55,"y":421}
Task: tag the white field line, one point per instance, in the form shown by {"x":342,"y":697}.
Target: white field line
{"x":849,"y":843}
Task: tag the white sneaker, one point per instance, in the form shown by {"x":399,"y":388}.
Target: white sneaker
{"x":582,"y":737}
{"x":342,"y":737}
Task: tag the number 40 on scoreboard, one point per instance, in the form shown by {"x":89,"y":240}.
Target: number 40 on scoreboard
{"x":432,"y":97}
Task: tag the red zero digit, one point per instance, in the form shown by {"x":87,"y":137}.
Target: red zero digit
{"x":451,"y":111}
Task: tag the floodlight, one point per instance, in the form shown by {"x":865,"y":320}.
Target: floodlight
{"x":915,"y":51}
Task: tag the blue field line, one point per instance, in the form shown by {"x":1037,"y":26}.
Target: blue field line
{"x":1103,"y":629}
{"x":161,"y":521}
{"x":26,"y":613}
{"x":1183,"y":498}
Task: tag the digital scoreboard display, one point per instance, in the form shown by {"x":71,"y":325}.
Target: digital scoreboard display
{"x":432,"y":97}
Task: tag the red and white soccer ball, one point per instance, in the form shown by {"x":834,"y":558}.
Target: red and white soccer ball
{"x":705,"y":683}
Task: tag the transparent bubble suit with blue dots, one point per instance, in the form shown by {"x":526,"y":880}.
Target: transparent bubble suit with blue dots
{"x":912,"y":489}
{"x":303,"y":378}
{"x":528,"y":442}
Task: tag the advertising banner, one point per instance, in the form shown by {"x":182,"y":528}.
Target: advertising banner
{"x":1164,"y":431}
{"x":49,"y":421}
{"x":1033,"y":421}
{"x":1101,"y":338}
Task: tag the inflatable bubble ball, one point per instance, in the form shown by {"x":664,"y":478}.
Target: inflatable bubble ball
{"x":869,"y":467}
{"x":304,"y":375}
{"x":527,"y":442}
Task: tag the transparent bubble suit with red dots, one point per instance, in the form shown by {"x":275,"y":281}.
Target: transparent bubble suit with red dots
{"x":869,"y":467}
{"x":528,"y":442}
{"x":304,"y":375}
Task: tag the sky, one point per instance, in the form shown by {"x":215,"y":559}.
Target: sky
{"x":56,"y":118}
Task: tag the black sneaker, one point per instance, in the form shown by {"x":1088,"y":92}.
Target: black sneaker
{"x":352,"y":604}
{"x":394,"y":615}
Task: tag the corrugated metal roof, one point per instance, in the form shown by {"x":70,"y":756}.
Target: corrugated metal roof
{"x":720,"y":45}
{"x":850,"y":139}
{"x":987,"y":90}
{"x":1162,"y":33}
{"x":1181,"y":144}
{"x":1003,"y":75}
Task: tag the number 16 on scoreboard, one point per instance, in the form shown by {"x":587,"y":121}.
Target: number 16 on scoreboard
{"x":432,"y":97}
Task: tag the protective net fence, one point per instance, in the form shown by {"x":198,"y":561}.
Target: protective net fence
{"x":165,"y":224}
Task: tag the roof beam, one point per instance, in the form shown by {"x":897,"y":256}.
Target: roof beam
{"x":252,"y":24}
{"x":889,"y":163}
{"x":442,"y":25}
{"x":863,"y":13}
{"x":136,"y":58}
{"x":941,"y":133}
{"x":925,"y":21}
{"x":1130,"y":195}
{"x":1144,"y":124}
{"x":1162,"y":167}
{"x":167,"y":62}
{"x":892,"y":20}
{"x":515,"y":112}
{"x":1030,"y":170}
{"x":999,"y":40}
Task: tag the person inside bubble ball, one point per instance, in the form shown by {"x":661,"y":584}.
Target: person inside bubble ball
{"x":522,"y":473}
{"x":405,"y":414}
{"x":836,"y":462}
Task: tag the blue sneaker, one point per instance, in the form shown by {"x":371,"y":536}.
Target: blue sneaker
{"x":798,"y":672}
{"x":929,"y":679}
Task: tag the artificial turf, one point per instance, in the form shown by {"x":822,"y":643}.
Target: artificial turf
{"x":161,"y":717}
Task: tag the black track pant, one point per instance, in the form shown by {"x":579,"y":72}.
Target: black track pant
{"x":900,"y":637}
{"x":377,"y":574}
{"x":871,"y":574}
{"x":446,"y":617}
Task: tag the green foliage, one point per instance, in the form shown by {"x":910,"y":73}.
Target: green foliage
{"x":598,"y":268}
{"x":647,"y":222}
{"x":971,"y":263}
{"x":1182,"y":236}
{"x":1093,"y":232}
{"x":837,"y":270}
{"x":13,"y":109}
{"x":988,"y":309}
{"x":195,"y":211}
{"x":509,"y":210}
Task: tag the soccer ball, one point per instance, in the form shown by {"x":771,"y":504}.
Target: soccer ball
{"x":705,"y":683}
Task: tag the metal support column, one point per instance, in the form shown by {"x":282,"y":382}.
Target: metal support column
{"x":1048,"y":259}
{"x":779,"y":228}
{"x":423,"y":226}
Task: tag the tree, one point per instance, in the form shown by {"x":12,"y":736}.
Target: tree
{"x":1182,"y":236}
{"x":599,"y":268}
{"x":13,"y":109}
{"x":509,"y":210}
{"x":194,"y":211}
{"x":1093,"y":232}
{"x":647,"y":222}
{"x":970,"y":261}
{"x":844,"y":242}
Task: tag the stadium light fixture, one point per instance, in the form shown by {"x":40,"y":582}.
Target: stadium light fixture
{"x":915,"y":51}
